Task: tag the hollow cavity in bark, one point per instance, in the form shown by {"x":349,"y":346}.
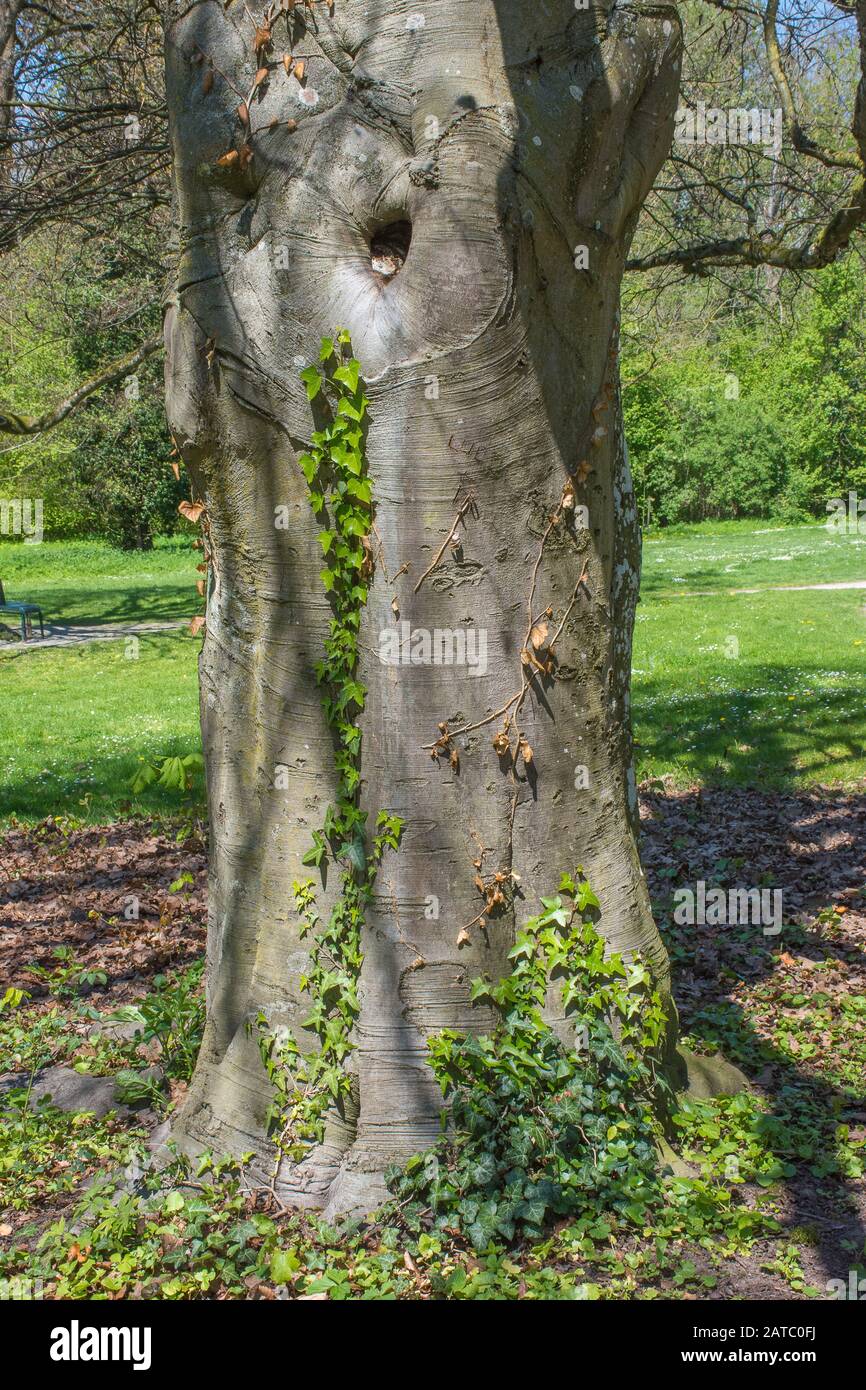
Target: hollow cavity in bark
{"x":389,"y":248}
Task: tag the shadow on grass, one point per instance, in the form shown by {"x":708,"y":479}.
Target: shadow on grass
{"x":656,"y":582}
{"x":95,"y":792}
{"x":74,"y":604}
{"x":737,"y":735}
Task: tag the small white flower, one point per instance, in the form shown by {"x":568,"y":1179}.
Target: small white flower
{"x":415,"y":22}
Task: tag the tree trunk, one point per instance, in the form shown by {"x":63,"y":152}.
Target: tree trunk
{"x":9,"y":14}
{"x":515,"y":144}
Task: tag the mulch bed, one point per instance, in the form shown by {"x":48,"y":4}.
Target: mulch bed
{"x":812,"y":847}
{"x":812,"y":844}
{"x":69,"y":887}
{"x":78,"y":888}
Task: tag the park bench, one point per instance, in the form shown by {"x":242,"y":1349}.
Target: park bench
{"x":25,"y":611}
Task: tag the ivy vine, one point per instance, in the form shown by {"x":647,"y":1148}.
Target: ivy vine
{"x":537,"y":1128}
{"x":307,"y":1085}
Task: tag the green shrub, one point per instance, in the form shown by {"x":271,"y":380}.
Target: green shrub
{"x":539,"y":1128}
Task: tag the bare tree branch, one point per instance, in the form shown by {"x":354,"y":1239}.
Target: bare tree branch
{"x":30,"y":425}
{"x":793,"y":218}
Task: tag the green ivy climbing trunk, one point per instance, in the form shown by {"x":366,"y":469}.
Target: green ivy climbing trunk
{"x":456,"y":186}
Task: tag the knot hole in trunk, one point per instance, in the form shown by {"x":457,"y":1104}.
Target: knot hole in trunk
{"x":389,"y":247}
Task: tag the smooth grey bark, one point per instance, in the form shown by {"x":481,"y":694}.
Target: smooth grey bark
{"x":509,"y":136}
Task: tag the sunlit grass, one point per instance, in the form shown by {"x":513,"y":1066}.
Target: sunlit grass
{"x":74,"y":723}
{"x":91,"y":582}
{"x":736,"y":555}
{"x":753,"y":689}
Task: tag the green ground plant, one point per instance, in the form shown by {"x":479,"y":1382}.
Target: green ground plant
{"x":540,"y":1129}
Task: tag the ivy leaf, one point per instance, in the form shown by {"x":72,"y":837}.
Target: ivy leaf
{"x":354,"y":851}
{"x":354,"y":409}
{"x":312,"y":379}
{"x":284,"y":1264}
{"x":316,"y":853}
{"x":327,"y":350}
{"x":361,"y":488}
{"x":191,"y":510}
{"x":348,"y":375}
{"x":586,"y":898}
{"x":308,"y":466}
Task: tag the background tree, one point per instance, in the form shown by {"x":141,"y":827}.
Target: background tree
{"x":792,"y":203}
{"x":739,"y":414}
{"x":83,"y":224}
{"x":70,"y":311}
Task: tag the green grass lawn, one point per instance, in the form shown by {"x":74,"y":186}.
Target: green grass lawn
{"x":74,"y":723}
{"x":748,"y":554}
{"x":91,"y":582}
{"x":758,"y":689}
